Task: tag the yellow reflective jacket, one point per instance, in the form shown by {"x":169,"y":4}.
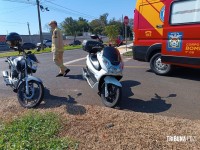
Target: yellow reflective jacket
{"x":57,"y":40}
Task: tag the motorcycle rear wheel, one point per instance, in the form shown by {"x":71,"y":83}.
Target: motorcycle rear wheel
{"x":35,"y":97}
{"x":114,"y":95}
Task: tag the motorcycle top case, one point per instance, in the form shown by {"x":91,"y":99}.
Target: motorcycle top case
{"x":92,"y":46}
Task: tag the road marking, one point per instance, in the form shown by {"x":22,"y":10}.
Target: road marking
{"x":69,"y":63}
{"x":135,"y":67}
{"x":76,"y":60}
{"x":73,"y":61}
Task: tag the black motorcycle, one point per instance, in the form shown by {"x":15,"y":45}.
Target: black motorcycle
{"x":29,"y":89}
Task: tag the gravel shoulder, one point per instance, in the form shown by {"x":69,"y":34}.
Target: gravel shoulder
{"x":104,"y":128}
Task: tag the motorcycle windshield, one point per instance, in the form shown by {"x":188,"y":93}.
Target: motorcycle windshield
{"x":112,"y":54}
{"x":32,"y":57}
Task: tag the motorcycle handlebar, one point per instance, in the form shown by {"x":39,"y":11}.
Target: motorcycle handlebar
{"x":21,"y":49}
{"x":15,"y":48}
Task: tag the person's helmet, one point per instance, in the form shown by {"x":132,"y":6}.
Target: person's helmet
{"x":13,"y":39}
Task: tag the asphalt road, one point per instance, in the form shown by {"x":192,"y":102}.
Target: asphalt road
{"x":143,"y":91}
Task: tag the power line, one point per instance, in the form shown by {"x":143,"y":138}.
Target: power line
{"x":64,"y":11}
{"x":73,"y":12}
{"x":67,"y":10}
{"x":3,"y":21}
{"x":16,"y":9}
{"x":22,"y":1}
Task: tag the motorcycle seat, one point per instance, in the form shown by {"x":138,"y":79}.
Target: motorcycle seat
{"x":94,"y":61}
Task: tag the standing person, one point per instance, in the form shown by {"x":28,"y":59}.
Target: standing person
{"x":58,"y":48}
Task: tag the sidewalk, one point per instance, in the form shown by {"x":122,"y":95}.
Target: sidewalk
{"x":123,"y":49}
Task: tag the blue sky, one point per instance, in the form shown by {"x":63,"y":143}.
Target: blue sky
{"x":14,"y":14}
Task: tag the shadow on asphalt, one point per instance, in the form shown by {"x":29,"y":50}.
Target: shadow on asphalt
{"x":154,"y":105}
{"x":51,"y":101}
{"x":78,"y":77}
{"x":184,"y":73}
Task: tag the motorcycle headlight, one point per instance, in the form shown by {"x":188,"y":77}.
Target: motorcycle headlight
{"x":106,"y":62}
{"x":32,"y":65}
{"x":114,"y":70}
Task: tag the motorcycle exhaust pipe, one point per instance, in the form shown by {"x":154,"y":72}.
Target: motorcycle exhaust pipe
{"x":6,"y":78}
{"x":5,"y":74}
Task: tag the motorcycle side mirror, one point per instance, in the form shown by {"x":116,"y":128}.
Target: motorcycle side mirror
{"x":94,"y":36}
{"x":14,"y":48}
{"x":29,"y":52}
{"x":38,"y":48}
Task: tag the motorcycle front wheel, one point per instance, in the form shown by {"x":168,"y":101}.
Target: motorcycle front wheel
{"x":114,"y":95}
{"x":35,"y":96}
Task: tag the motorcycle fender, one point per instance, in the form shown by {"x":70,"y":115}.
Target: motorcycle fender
{"x":30,"y":78}
{"x":112,"y":80}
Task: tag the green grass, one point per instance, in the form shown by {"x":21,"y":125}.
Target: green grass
{"x":46,"y":50}
{"x":34,"y":131}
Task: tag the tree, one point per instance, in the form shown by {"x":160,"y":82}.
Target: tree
{"x":98,"y":25}
{"x":75,"y":27}
{"x":83,"y":26}
{"x":69,"y":26}
{"x":112,"y":32}
{"x":103,"y":19}
{"x":119,"y":24}
{"x":131,"y":23}
{"x":121,"y":27}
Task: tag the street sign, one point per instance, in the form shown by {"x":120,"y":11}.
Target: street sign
{"x":126,"y":20}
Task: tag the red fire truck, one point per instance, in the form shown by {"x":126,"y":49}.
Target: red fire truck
{"x":167,"y":34}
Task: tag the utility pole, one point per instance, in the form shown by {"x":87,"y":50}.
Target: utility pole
{"x":126,"y":21}
{"x":39,"y":19}
{"x":29,"y":32}
{"x":123,"y":26}
{"x":126,"y":35}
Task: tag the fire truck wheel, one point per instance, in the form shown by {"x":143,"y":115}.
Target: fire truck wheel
{"x":158,"y":67}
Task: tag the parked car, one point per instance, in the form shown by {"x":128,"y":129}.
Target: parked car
{"x":76,"y":42}
{"x":46,"y":43}
{"x":120,"y":40}
{"x":28,"y":46}
{"x":4,"y":46}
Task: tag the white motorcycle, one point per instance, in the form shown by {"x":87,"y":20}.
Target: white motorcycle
{"x":103,"y":70}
